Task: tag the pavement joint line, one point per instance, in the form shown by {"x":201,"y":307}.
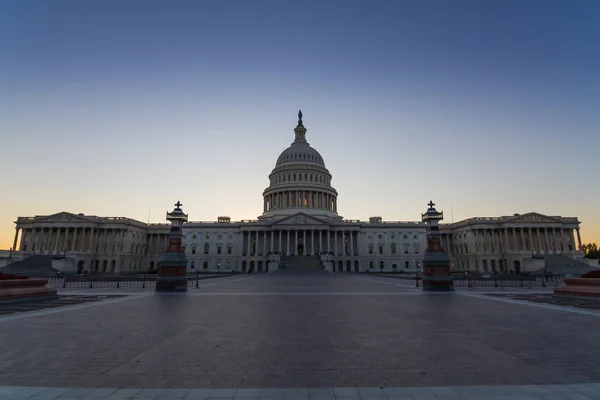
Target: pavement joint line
{"x":530,"y":303}
{"x":588,"y":391}
{"x":305,"y":294}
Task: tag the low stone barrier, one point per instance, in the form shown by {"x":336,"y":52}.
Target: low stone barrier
{"x":588,"y":286}
{"x":21,"y":290}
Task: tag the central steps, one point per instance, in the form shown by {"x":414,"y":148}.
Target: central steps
{"x":301,"y":265}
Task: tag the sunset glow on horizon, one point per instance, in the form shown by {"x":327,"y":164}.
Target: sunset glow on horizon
{"x":120,"y":109}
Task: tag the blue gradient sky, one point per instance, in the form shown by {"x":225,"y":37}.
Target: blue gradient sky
{"x":117,"y":107}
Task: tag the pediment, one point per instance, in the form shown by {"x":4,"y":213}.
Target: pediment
{"x":300,"y":219}
{"x":63,"y":217}
{"x":530,"y":218}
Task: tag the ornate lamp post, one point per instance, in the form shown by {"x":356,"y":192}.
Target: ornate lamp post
{"x":436,"y":263}
{"x":172,"y":266}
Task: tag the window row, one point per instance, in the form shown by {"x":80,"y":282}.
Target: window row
{"x":407,"y":264}
{"x":206,"y":249}
{"x":393,"y":236}
{"x":298,"y":177}
{"x":393,"y":249}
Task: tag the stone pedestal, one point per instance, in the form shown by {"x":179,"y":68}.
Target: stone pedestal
{"x":588,"y":286}
{"x":21,"y":290}
{"x":172,"y":268}
{"x":436,"y":270}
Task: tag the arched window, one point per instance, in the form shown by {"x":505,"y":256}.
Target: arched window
{"x":193,"y":249}
{"x":229,"y":249}
{"x":206,"y":248}
{"x":393,"y":248}
{"x":370,"y":249}
{"x":218,"y":249}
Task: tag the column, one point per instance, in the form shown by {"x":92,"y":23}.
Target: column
{"x":556,"y":244}
{"x":33,"y":239}
{"x":530,"y":239}
{"x":506,"y":242}
{"x":547,"y":236}
{"x":295,"y":242}
{"x":358,"y":242}
{"x":90,"y":240}
{"x":272,"y":243}
{"x":74,"y":246}
{"x":335,"y":242}
{"x":279,"y":248}
{"x":329,"y":242}
{"x":320,"y":241}
{"x":248,"y":248}
{"x":16,"y":237}
{"x":578,"y":239}
{"x":55,"y":249}
{"x":539,"y":238}
{"x":312,"y":242}
{"x":264,"y":243}
{"x":122,"y":242}
{"x":522,"y":235}
{"x":288,"y":242}
{"x":304,"y":242}
{"x":351,"y":243}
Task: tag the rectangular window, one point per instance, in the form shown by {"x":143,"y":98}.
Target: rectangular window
{"x":381,"y":264}
{"x":228,"y":249}
{"x":406,"y":264}
{"x":380,"y":249}
{"x":205,"y":265}
{"x":194,"y":250}
{"x":370,"y":249}
{"x":193,"y":265}
{"x":218,"y":249}
{"x":394,"y":266}
{"x":370,"y":264}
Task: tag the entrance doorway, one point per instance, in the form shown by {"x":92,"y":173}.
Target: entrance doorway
{"x":300,"y":249}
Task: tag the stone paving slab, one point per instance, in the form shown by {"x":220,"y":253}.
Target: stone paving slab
{"x":585,"y":391}
{"x":299,"y":332}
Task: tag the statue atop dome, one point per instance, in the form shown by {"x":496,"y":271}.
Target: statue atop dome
{"x":300,"y":129}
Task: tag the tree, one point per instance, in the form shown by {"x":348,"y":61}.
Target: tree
{"x":591,"y":250}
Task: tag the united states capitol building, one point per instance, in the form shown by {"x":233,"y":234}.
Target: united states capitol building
{"x":300,"y":225}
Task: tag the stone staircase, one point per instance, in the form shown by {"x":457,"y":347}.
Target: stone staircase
{"x":301,"y":265}
{"x":560,"y":264}
{"x":37,"y":265}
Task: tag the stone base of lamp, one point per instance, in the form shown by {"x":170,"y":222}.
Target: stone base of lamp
{"x":436,"y":272}
{"x":172,"y":273}
{"x":587,"y":286}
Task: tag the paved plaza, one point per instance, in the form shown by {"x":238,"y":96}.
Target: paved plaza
{"x":300,"y":337}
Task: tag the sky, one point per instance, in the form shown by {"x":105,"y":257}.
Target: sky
{"x":121,"y":108}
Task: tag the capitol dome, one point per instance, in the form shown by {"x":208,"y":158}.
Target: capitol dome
{"x":300,"y":151}
{"x":300,"y":182}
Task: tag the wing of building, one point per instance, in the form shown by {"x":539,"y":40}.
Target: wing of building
{"x":300,"y":226}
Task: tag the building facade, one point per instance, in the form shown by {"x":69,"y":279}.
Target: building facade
{"x":299,"y":219}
